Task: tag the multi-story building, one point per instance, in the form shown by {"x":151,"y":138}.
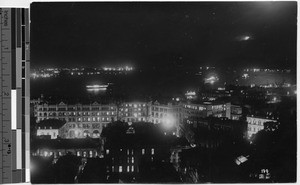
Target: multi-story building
{"x":126,"y":151}
{"x":72,"y":130}
{"x":56,"y":148}
{"x":255,"y":124}
{"x":236,"y":112}
{"x":133,"y":111}
{"x":99,"y":115}
{"x":77,"y":113}
{"x":206,"y":109}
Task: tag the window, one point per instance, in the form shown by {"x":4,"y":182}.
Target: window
{"x":120,"y":169}
{"x":132,"y":168}
{"x":152,"y":151}
{"x":113,"y":169}
{"x":132,"y":159}
{"x":78,"y":153}
{"x":143,"y":151}
{"x":127,"y":151}
{"x":131,"y":151}
{"x":128,"y":169}
{"x":107,"y":152}
{"x":91,"y":153}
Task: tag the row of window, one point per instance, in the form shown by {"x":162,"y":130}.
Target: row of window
{"x":76,"y":113}
{"x":132,"y":152}
{"x":120,"y":170}
{"x":78,"y":153}
{"x":75,"y":108}
{"x":254,"y":129}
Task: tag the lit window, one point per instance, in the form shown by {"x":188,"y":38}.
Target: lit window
{"x":128,"y":169}
{"x":107,"y":152}
{"x":127,"y":151}
{"x":78,"y":153}
{"x":135,"y":114}
{"x":143,"y":151}
{"x":113,"y":169}
{"x":91,"y":153}
{"x":132,"y":152}
{"x":120,"y":169}
{"x":132,"y":159}
{"x":107,"y":113}
{"x":135,"y":105}
{"x":152,"y":151}
{"x":132,"y":168}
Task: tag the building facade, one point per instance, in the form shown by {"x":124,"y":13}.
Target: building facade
{"x":88,"y":120}
{"x":72,"y":130}
{"x":255,"y":124}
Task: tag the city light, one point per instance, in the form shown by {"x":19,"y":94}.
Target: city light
{"x":168,"y":122}
{"x":211,"y":80}
{"x":96,"y":88}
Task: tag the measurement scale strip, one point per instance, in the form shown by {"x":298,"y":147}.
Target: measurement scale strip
{"x":14,"y":106}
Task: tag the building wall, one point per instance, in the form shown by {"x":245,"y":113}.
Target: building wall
{"x":47,"y":131}
{"x":132,"y":112}
{"x":79,"y":113}
{"x":84,"y":152}
{"x":73,"y":130}
{"x":255,"y":124}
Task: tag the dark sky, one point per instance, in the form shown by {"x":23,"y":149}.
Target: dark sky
{"x":260,"y":34}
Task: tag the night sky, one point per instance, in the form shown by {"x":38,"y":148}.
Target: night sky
{"x":259,"y":34}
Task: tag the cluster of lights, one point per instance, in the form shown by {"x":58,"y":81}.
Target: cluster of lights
{"x":267,"y":70}
{"x":52,"y":72}
{"x":190,"y":95}
{"x":206,"y":68}
{"x":245,"y":76}
{"x":96,"y":87}
{"x":211,"y":79}
{"x":126,"y":68}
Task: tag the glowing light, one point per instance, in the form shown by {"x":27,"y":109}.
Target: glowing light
{"x":168,"y":121}
{"x":96,"y":88}
{"x":211,"y":79}
{"x":246,"y":38}
{"x":245,"y":76}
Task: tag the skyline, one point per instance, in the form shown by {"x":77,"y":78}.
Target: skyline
{"x":164,"y":34}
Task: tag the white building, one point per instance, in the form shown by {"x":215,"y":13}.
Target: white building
{"x":255,"y":124}
{"x":47,"y":131}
